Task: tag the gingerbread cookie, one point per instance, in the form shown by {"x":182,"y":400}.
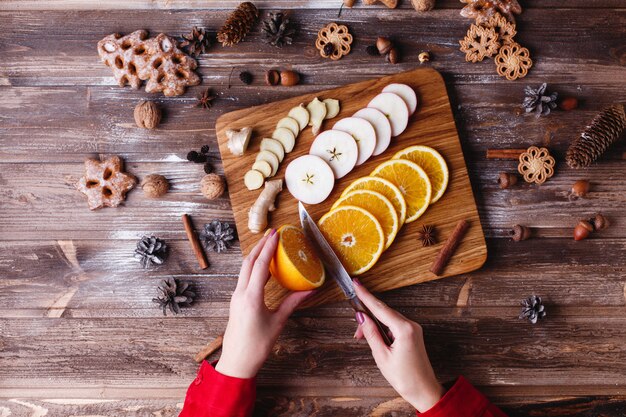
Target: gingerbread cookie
{"x":536,"y":165}
{"x":506,"y":30}
{"x":336,"y":35}
{"x":135,"y":58}
{"x":104,"y":183}
{"x":479,"y":43}
{"x":513,"y":61}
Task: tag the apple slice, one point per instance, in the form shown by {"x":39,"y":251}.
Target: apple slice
{"x":332,"y":107}
{"x":363,"y":132}
{"x":338,"y":149}
{"x":253,"y":179}
{"x":301,"y":114}
{"x":381,"y":126}
{"x":263,"y":167}
{"x":271,"y":158}
{"x":309,"y":179}
{"x":268,"y":144}
{"x":394,"y":108}
{"x":406,"y":93}
{"x":317,"y":110}
{"x":285,"y":137}
{"x":289,"y":123}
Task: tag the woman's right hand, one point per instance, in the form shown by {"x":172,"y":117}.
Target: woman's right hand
{"x":405,"y":363}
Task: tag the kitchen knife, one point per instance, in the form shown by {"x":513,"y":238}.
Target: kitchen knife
{"x":335,"y":269}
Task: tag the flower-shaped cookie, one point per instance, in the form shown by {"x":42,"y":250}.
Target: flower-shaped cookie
{"x":513,"y":61}
{"x":479,"y":43}
{"x":536,"y":165}
{"x":104,"y":183}
{"x":505,"y":29}
{"x":338,"y":36}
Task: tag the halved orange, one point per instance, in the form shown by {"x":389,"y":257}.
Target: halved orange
{"x":412,"y":181}
{"x":295,"y":264}
{"x":433,"y":163}
{"x":379,"y":206}
{"x":386,"y":188}
{"x":355,"y":235}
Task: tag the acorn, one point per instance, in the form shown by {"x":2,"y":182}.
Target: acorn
{"x":568,"y":103}
{"x":392,"y":56}
{"x":289,"y":78}
{"x":582,"y":230}
{"x":519,"y":233}
{"x":507,"y":180}
{"x":272,"y":77}
{"x":384,"y":45}
{"x":600,"y":222}
{"x":580,"y":188}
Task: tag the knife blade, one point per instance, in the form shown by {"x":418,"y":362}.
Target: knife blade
{"x":335,"y":268}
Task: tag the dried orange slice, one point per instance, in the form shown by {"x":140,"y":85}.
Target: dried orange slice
{"x":295,"y":264}
{"x":386,"y":188}
{"x":355,"y":235}
{"x":378,"y":205}
{"x":412,"y":181}
{"x":433,"y":163}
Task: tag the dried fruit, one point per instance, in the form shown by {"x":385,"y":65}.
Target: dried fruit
{"x":155,"y":185}
{"x":519,"y":233}
{"x":479,"y":43}
{"x":427,"y":235}
{"x":506,"y":180}
{"x":147,"y":115}
{"x":245,"y":77}
{"x":238,"y":24}
{"x":212,"y":186}
{"x":539,"y":101}
{"x":206,"y":99}
{"x":277,"y":30}
{"x":272,"y":77}
{"x":173,"y":295}
{"x":580,"y":188}
{"x":151,"y":251}
{"x":536,"y":165}
{"x":289,"y":78}
{"x":218,"y":236}
{"x":196,"y":42}
{"x":532,"y":309}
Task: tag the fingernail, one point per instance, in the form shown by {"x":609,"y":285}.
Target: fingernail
{"x":273,"y":232}
{"x":356,"y":282}
{"x":267,"y":232}
{"x":360,"y":317}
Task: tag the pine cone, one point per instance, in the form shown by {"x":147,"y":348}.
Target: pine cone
{"x":532,"y":309}
{"x":173,"y":295}
{"x":151,"y":251}
{"x":197,"y":42}
{"x":238,"y":24}
{"x":218,"y":236}
{"x":277,"y":30}
{"x":604,"y":130}
{"x":539,"y":101}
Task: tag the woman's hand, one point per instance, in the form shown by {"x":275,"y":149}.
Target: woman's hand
{"x":252,"y":328}
{"x":405,"y":363}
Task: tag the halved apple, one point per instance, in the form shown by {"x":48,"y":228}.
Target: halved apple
{"x":285,"y":137}
{"x":301,"y":114}
{"x":381,"y":126}
{"x":271,"y":158}
{"x":338,"y":149}
{"x":406,"y":93}
{"x":394,"y":108}
{"x":269,"y":144}
{"x":309,"y":179}
{"x":289,"y":123}
{"x":363,"y":132}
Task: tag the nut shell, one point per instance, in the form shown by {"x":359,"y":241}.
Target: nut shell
{"x":289,"y":78}
{"x":272,"y":77}
{"x":506,"y":180}
{"x":600,"y":222}
{"x":424,"y":57}
{"x":212,"y":186}
{"x":384,"y":45}
{"x":155,"y":185}
{"x":147,"y":115}
{"x":582,"y":230}
{"x":392,"y":56}
{"x":580,"y":188}
{"x":519,"y":233}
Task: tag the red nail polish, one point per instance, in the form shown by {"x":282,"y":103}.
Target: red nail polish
{"x":360,"y":317}
{"x":356,"y":282}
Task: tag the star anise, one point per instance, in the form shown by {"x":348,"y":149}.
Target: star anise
{"x":427,"y":235}
{"x":206,"y":99}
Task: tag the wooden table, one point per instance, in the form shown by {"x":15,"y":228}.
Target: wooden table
{"x":79,"y":334}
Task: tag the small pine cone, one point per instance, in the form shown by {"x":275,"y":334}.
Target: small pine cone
{"x":532,"y":309}
{"x":238,"y":24}
{"x":605,"y":129}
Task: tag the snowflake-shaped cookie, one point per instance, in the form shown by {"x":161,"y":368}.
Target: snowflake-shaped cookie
{"x":479,"y":43}
{"x":104,"y":183}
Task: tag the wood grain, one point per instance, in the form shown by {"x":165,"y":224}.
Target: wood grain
{"x":431,"y":125}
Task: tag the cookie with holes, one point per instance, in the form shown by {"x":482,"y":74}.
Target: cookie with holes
{"x":104,"y":183}
{"x":135,"y":58}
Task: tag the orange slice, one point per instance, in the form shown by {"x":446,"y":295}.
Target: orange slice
{"x":378,"y":205}
{"x":356,"y":237}
{"x":295,"y":264}
{"x":412,"y":181}
{"x":386,"y":188}
{"x":433,"y":163}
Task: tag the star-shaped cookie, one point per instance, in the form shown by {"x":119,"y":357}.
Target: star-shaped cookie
{"x":104,"y":183}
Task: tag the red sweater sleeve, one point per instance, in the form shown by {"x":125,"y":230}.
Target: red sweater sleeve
{"x":212,"y":394}
{"x":463,"y":400}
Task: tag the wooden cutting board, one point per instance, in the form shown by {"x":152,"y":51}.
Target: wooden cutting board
{"x":406,"y":262}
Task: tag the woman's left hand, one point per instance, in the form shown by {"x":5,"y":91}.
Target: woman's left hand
{"x":252,"y":328}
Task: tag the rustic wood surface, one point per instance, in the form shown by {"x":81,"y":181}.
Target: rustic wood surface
{"x":79,"y":334}
{"x":404,"y":263}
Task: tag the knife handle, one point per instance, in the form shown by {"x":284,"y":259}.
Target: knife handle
{"x":382,"y":329}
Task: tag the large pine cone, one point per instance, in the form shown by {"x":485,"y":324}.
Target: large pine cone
{"x":238,"y":24}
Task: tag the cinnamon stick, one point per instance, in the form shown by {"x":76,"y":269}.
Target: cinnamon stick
{"x":210,"y":347}
{"x":448,"y":249}
{"x":196,"y":246}
{"x":504,"y":153}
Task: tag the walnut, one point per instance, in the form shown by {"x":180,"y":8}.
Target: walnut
{"x":212,"y":186}
{"x":155,"y":185}
{"x":147,"y":115}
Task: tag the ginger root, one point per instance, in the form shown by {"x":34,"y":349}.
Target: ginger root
{"x":238,"y":140}
{"x":257,"y":216}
